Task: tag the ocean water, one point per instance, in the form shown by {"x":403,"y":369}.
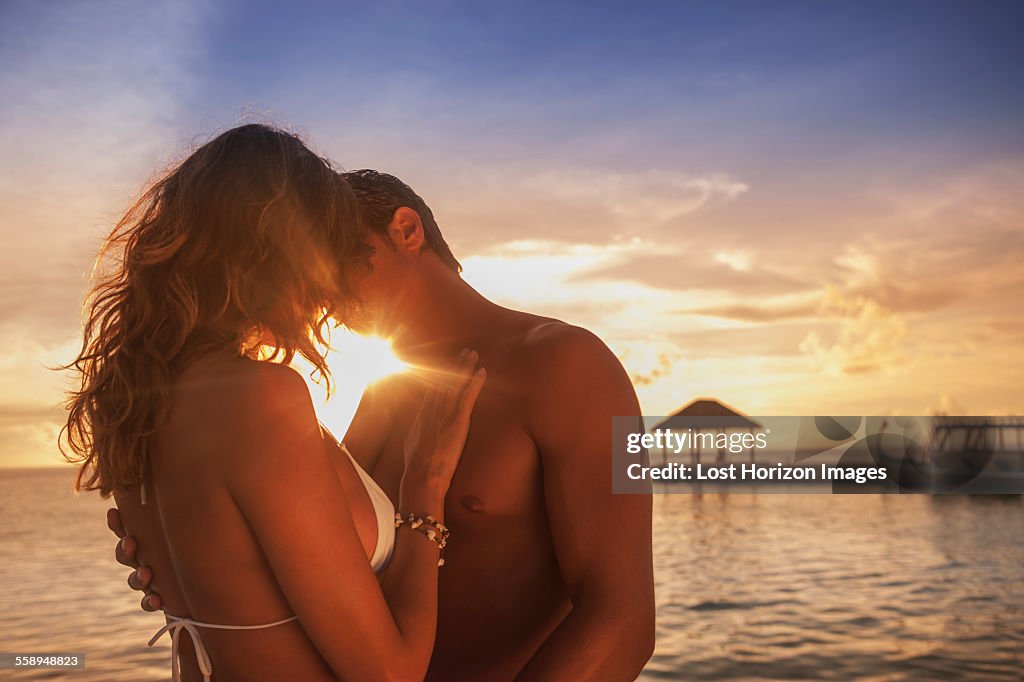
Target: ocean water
{"x":61,"y":590}
{"x":843,"y":587}
{"x":774,"y":587}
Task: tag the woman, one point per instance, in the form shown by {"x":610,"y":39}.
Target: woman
{"x":227,"y":267}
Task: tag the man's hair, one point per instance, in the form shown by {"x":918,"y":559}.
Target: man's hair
{"x":379,"y":195}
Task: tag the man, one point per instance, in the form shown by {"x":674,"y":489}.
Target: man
{"x":548,"y":575}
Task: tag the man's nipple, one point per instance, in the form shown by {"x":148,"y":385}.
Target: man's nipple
{"x":473,"y":503}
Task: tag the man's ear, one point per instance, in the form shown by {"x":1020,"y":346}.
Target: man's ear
{"x":406,"y":230}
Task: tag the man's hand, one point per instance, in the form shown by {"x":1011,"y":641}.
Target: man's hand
{"x":139,"y":578}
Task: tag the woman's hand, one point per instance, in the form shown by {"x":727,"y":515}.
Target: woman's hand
{"x":438,"y":434}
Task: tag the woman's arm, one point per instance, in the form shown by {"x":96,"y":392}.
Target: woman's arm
{"x":284,"y":483}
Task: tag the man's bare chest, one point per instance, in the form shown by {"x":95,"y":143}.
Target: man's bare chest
{"x":498,"y":477}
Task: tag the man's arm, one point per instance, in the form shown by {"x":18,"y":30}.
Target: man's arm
{"x":141,"y":577}
{"x":602,"y":541}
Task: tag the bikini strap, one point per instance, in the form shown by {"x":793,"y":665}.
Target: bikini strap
{"x":176,"y":624}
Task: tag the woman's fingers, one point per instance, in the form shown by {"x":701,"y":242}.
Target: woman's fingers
{"x":438,"y":433}
{"x":429,"y":405}
{"x":436,"y":395}
{"x":467,"y":401}
{"x":445,"y":385}
{"x":443,"y":401}
{"x":459,"y":377}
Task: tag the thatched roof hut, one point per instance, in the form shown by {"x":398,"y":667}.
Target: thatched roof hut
{"x":706,"y":407}
{"x":726,"y":419}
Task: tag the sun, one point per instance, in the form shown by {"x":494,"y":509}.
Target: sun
{"x":355,"y":362}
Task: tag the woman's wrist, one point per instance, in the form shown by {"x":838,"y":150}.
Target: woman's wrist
{"x":421,"y":499}
{"x":431,"y":528}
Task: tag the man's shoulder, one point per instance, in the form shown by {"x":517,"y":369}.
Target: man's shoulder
{"x":550,"y":351}
{"x":554,"y":341}
{"x":570,"y":380}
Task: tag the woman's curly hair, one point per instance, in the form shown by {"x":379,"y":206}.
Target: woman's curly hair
{"x":246,"y":247}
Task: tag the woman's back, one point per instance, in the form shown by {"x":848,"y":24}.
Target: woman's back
{"x":207,"y":563}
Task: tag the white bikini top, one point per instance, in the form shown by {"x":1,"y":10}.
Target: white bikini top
{"x":385,"y":513}
{"x":382,"y":509}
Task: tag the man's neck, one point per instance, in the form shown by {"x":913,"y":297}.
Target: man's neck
{"x":444,"y":316}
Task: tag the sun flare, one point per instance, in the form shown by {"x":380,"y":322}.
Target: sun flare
{"x":355,"y":362}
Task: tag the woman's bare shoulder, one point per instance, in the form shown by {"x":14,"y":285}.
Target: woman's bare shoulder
{"x":244,"y":397}
{"x":217,"y":378}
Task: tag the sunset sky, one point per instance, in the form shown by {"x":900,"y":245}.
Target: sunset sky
{"x":795,"y":207}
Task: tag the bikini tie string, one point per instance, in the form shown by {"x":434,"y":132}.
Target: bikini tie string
{"x":175,"y":625}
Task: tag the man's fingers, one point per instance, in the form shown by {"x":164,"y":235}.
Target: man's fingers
{"x":151,"y":602}
{"x":140,"y":578}
{"x":114,"y":522}
{"x":125,"y":552}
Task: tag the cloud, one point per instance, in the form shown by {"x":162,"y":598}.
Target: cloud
{"x":29,"y":443}
{"x":954,"y":257}
{"x":986,"y":196}
{"x":593,"y":219}
{"x":481,"y":207}
{"x":30,"y":393}
{"x":756,"y":313}
{"x":868,"y":337}
{"x":748,"y":341}
{"x":647,"y":360}
{"x":952,"y":242}
{"x":697,"y":270}
{"x":639,"y":197}
{"x":94,"y":99}
{"x":83,"y":128}
{"x":23,"y":414}
{"x":933,"y":266}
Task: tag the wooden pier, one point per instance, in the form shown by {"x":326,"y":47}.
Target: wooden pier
{"x":976,"y":435}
